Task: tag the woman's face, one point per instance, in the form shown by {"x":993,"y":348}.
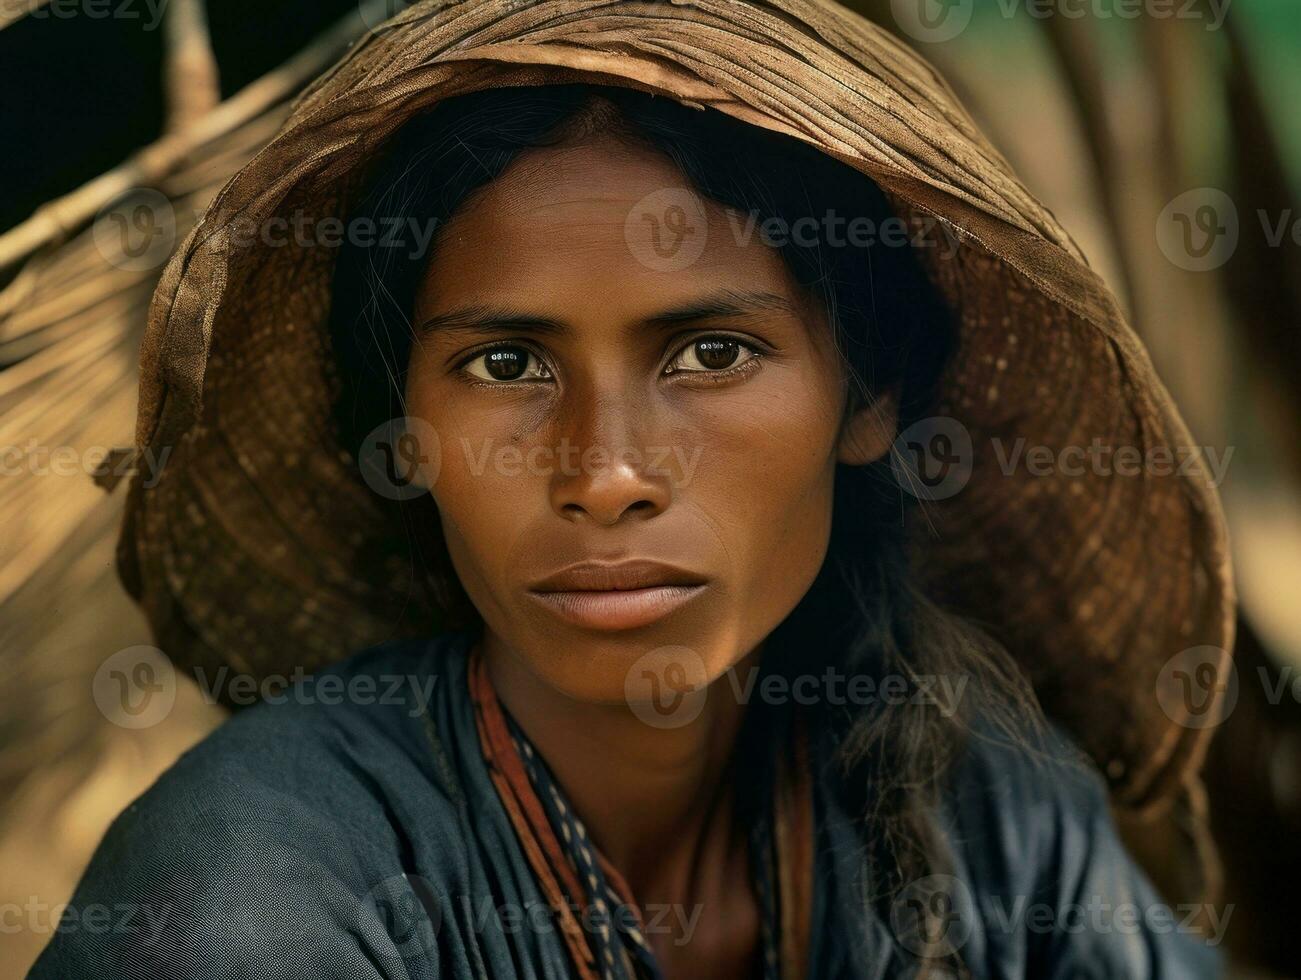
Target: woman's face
{"x":638,"y":410}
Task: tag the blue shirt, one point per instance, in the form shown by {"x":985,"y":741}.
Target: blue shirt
{"x":351,"y":830}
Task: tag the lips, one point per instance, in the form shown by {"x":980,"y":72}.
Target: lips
{"x":592,"y":576}
{"x":618,"y":596}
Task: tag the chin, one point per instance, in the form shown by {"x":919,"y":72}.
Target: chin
{"x":647,"y":669}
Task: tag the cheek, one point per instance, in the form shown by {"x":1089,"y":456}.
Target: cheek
{"x":483,"y":512}
{"x":481,"y":492}
{"x":765,"y":479}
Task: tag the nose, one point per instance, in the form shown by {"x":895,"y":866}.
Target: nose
{"x":608,"y":473}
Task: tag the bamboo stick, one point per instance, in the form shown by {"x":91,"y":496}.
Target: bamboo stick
{"x":55,"y":221}
{"x":1075,"y":46}
{"x":12,"y":11}
{"x":192,"y":84}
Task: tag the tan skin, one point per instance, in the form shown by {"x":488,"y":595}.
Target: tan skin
{"x":592,"y":362}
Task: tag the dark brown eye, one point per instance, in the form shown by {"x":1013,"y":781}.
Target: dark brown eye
{"x":507,"y":363}
{"x":712,"y":354}
{"x":717,"y":354}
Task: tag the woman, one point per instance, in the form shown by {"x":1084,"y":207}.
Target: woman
{"x":582,"y":363}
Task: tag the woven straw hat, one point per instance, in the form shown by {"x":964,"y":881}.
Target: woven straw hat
{"x":258,"y":545}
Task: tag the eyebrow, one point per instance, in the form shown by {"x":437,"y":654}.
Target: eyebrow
{"x":728,"y":302}
{"x":725,"y":303}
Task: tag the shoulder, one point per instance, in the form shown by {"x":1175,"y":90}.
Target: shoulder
{"x":1049,"y":883}
{"x":1020,"y":811}
{"x":263,"y":841}
{"x":1027,"y":798}
{"x":344,"y":733}
{"x":372,"y":697}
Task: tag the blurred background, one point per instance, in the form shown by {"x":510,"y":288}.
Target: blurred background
{"x":1164,"y":134}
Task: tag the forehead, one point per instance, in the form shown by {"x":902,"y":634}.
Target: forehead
{"x":572,"y":221}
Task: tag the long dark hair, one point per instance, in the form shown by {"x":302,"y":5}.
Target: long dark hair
{"x":894,"y":332}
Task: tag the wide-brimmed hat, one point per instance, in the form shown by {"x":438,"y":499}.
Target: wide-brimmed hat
{"x":1081,"y":526}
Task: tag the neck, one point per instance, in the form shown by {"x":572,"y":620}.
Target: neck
{"x":658,"y":803}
